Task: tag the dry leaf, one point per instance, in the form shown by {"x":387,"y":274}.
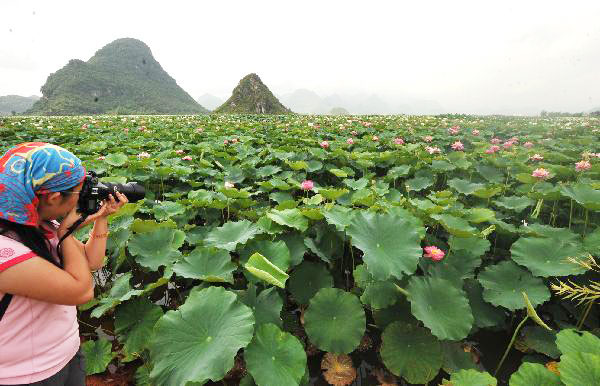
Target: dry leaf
{"x":339,"y":370}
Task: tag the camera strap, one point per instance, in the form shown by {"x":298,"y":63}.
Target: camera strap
{"x":69,"y":232}
{"x":4,"y":303}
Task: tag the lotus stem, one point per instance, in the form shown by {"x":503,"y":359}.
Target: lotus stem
{"x":402,"y":290}
{"x":512,"y":341}
{"x":586,"y":221}
{"x":585,"y":314}
{"x":571,"y":214}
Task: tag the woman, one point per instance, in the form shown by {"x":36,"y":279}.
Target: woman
{"x":39,"y":335}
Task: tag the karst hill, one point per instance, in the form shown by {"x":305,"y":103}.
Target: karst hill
{"x":121,"y":78}
{"x":251,"y":96}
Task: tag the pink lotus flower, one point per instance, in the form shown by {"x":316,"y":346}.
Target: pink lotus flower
{"x":199,"y":130}
{"x":307,"y":185}
{"x":536,"y":157}
{"x":354,"y":133}
{"x":375,"y":138}
{"x":179,"y":151}
{"x":454,"y":130}
{"x":495,"y":141}
{"x":492,"y":149}
{"x":84,"y":126}
{"x":428,"y":138}
{"x":458,"y":146}
{"x":507,"y":144}
{"x":235,"y":140}
{"x":540,"y":173}
{"x":143,"y":155}
{"x":398,"y":141}
{"x":101,"y":158}
{"x":325,"y":145}
{"x":350,"y":141}
{"x":528,"y":145}
{"x":582,"y":166}
{"x":229,"y":185}
{"x":186,"y":158}
{"x":434,"y":253}
{"x":475,"y":132}
{"x":433,"y":149}
{"x":226,"y":142}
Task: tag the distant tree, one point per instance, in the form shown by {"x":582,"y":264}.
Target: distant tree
{"x":13,"y":112}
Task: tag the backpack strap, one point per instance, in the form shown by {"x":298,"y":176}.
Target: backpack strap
{"x":4,"y":304}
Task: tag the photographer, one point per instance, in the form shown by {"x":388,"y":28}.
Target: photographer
{"x":44,"y":270}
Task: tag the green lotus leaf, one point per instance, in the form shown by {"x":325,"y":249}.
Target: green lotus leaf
{"x":525,"y":178}
{"x":442,"y":166}
{"x":168,"y":209}
{"x":333,"y":194}
{"x":380,"y":294}
{"x":312,"y":213}
{"x":281,"y":197}
{"x":591,"y":242}
{"x":363,"y":197}
{"x":514,"y":203}
{"x":580,"y":369}
{"x":464,"y":187}
{"x":419,"y":183}
{"x":266,"y":306}
{"x":314,"y":200}
{"x":540,"y":230}
{"x":276,"y":252}
{"x":97,"y":355}
{"x":571,"y":341}
{"x":314,"y":165}
{"x":455,"y":225}
{"x":471,"y":377}
{"x":231,"y":234}
{"x":391,"y":243}
{"x":473,"y":245}
{"x":156,"y":248}
{"x":441,"y":306}
{"x":335,"y":321}
{"x":397,"y":172}
{"x":338,"y":173}
{"x":456,"y":358}
{"x":275,"y":357}
{"x":267,"y":171}
{"x":455,"y":267}
{"x":534,"y":374}
{"x":143,"y":226}
{"x":485,"y":315}
{"x":547,"y":256}
{"x":426,"y":206}
{"x":307,"y":279}
{"x":356,"y":184}
{"x":488,"y":192}
{"x":116,"y":159}
{"x":295,"y":243}
{"x":584,"y":194}
{"x":297,"y":165}
{"x":269,"y":226}
{"x":478,"y":215}
{"x":490,"y":173}
{"x":339,"y":216}
{"x":199,"y":340}
{"x":411,"y":352}
{"x":208,"y":264}
{"x":540,"y":340}
{"x":234,"y":193}
{"x":292,"y":218}
{"x":120,"y":291}
{"x":262,"y":268}
{"x":134,"y":322}
{"x":503,"y":283}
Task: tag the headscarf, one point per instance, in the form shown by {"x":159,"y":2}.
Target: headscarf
{"x":30,"y":168}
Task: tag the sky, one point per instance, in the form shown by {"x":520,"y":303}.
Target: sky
{"x":477,"y":57}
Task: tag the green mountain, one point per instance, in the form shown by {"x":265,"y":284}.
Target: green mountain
{"x":338,"y":111}
{"x":121,"y":78}
{"x":251,"y":96}
{"x":15,"y":104}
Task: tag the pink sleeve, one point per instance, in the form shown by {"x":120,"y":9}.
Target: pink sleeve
{"x":13,"y":252}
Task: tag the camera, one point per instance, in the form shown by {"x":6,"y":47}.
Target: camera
{"x":94,"y":192}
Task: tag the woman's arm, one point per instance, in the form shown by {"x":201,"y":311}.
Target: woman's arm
{"x":95,"y":248}
{"x":38,"y":279}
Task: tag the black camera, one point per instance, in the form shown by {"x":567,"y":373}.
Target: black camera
{"x":94,"y":192}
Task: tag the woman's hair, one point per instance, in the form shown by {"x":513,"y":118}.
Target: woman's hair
{"x":32,"y":237}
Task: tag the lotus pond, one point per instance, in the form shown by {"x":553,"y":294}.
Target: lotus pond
{"x":392,"y":250}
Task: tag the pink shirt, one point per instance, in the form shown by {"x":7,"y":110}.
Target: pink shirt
{"x":37,"y":339}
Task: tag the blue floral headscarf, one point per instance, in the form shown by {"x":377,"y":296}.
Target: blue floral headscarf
{"x":30,"y":169}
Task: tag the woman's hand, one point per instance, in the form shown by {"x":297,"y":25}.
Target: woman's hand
{"x":109,"y":206}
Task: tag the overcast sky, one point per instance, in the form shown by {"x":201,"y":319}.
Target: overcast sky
{"x":470,"y":56}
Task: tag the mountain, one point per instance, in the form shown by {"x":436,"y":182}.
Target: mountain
{"x":251,"y":96}
{"x":308,"y":102}
{"x":122,"y":78}
{"x":338,"y":111}
{"x":16,"y":104}
{"x":210,"y":101}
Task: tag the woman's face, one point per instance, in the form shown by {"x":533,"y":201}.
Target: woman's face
{"x":55,"y":205}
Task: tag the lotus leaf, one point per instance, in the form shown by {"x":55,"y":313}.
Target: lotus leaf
{"x":199,"y":340}
{"x":335,"y":321}
{"x":156,"y":248}
{"x":134,"y":321}
{"x":390,"y":242}
{"x":292,"y":218}
{"x":503,"y":283}
{"x":307,"y":279}
{"x":261,"y":267}
{"x":231,"y":234}
{"x":275,"y":357}
{"x":208,"y":264}
{"x":411,"y":352}
{"x":97,"y":355}
{"x":585,"y":195}
{"x":547,"y":257}
{"x":515,"y":203}
{"x":441,"y":306}
{"x":266,"y":306}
